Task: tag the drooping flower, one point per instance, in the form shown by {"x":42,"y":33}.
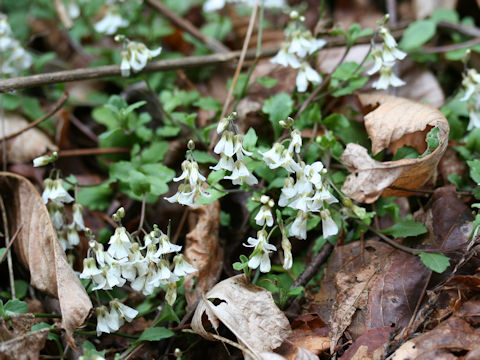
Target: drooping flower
{"x":89,"y":269}
{"x":136,"y":56}
{"x":329,"y":227}
{"x":287,"y":253}
{"x":260,"y":256}
{"x":306,"y":75}
{"x":387,"y":79}
{"x":111,"y":21}
{"x":120,"y":243}
{"x":105,"y":323}
{"x":182,"y":267}
{"x":299,"y":226}
{"x":241,"y":174}
{"x":125,"y":311}
{"x":264,"y":216}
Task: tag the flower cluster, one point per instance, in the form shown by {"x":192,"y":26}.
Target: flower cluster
{"x":55,"y":196}
{"x":229,"y":146}
{"x":299,"y":44}
{"x":193,"y":183}
{"x":135,"y":56}
{"x":111,"y":21}
{"x":385,"y":58}
{"x":146,"y":266}
{"x":113,"y":319}
{"x":471,"y":83}
{"x":213,"y":5}
{"x":307,"y":192}
{"x":14,"y":58}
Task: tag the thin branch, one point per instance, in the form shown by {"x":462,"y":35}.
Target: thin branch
{"x":451,"y":47}
{"x":187,"y":26}
{"x":93,"y":151}
{"x":462,"y":29}
{"x":7,"y":243}
{"x":52,"y":111}
{"x":23,"y":82}
{"x":12,"y":240}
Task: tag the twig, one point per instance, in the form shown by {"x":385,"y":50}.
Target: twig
{"x":23,"y":82}
{"x":142,"y":213}
{"x":187,"y":26}
{"x":180,"y":225}
{"x":52,"y":111}
{"x":7,"y":242}
{"x":451,"y":47}
{"x":228,"y":341}
{"x":12,"y":240}
{"x":462,"y":29}
{"x":241,"y":60}
{"x":392,"y":11}
{"x":92,"y":151}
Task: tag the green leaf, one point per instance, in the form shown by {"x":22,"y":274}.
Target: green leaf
{"x":21,"y":287}
{"x":417,"y":34}
{"x":448,"y":15}
{"x":345,"y":71}
{"x":474,"y":166}
{"x":204,"y":157}
{"x":432,"y":140}
{"x":435,"y":261}
{"x":168,"y":131}
{"x":167,"y":314}
{"x":250,"y":139}
{"x":208,"y":103}
{"x":154,"y":153}
{"x":15,"y":307}
{"x":267,"y":82}
{"x":2,"y":251}
{"x":96,"y":197}
{"x":155,"y":334}
{"x":405,"y":228}
{"x":278,"y":107}
{"x":214,"y":195}
{"x":215,"y":176}
{"x":405,"y":152}
{"x":225,"y":218}
{"x":10,"y":101}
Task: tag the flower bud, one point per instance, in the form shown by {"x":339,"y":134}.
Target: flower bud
{"x":191,"y":145}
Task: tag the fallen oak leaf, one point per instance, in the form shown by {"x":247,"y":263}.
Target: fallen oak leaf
{"x":203,"y":251}
{"x":395,"y":122}
{"x":39,"y":250}
{"x":247,"y":310}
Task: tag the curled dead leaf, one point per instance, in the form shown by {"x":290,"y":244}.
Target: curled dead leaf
{"x":395,"y":122}
{"x":38,"y":248}
{"x":27,"y":146}
{"x":203,"y":251}
{"x":247,"y":310}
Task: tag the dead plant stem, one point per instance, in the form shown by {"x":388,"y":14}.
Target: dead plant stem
{"x":12,"y":240}
{"x":7,"y":244}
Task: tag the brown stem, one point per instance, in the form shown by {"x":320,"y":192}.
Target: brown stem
{"x":446,"y":48}
{"x":462,"y":29}
{"x":52,"y":111}
{"x":94,"y":151}
{"x":187,"y":26}
{"x":7,"y":243}
{"x":14,"y":237}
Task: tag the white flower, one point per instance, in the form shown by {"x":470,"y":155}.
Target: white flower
{"x":89,"y":269}
{"x":78,"y":216}
{"x":226,"y":144}
{"x":471,"y":83}
{"x":329,"y":227}
{"x":125,"y":311}
{"x":303,"y":43}
{"x":73,"y":9}
{"x":105,"y":323}
{"x":111,"y":22}
{"x":136,"y":57}
{"x":225,"y":163}
{"x":388,"y":39}
{"x":286,"y":58}
{"x":288,"y":191}
{"x":45,"y":159}
{"x":296,"y":142}
{"x":273,"y":157}
{"x":166,"y":247}
{"x":287,"y":253}
{"x":474,"y":120}
{"x":57,"y":192}
{"x":378,"y":62}
{"x":223,"y":125}
{"x":305,"y":75}
{"x":387,"y":79}
{"x":390,"y":55}
{"x":56,"y":211}
{"x":171,"y":294}
{"x":182,"y":267}
{"x":264,"y":215}
{"x":185,"y":194}
{"x":261,"y":252}
{"x":72,"y":236}
{"x":241,"y":173}
{"x":119,"y":243}
{"x":110,"y":277}
{"x":288,"y":163}
{"x":299,"y":226}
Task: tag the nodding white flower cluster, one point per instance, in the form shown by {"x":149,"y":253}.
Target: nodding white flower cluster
{"x":260,"y":256}
{"x":230,"y":145}
{"x":111,"y":21}
{"x":192,"y":186}
{"x":113,"y":319}
{"x":299,"y":44}
{"x":385,"y":58}
{"x":307,"y":193}
{"x":55,"y":196}
{"x":135,"y":57}
{"x":145,"y":267}
{"x":213,"y":5}
{"x":471,"y":83}
{"x":14,"y":58}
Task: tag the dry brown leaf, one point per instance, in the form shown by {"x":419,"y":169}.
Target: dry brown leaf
{"x":40,"y":251}
{"x":27,"y":146}
{"x":203,"y":251}
{"x":24,"y":347}
{"x":247,"y":310}
{"x":394,"y":123}
{"x":368,"y":346}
